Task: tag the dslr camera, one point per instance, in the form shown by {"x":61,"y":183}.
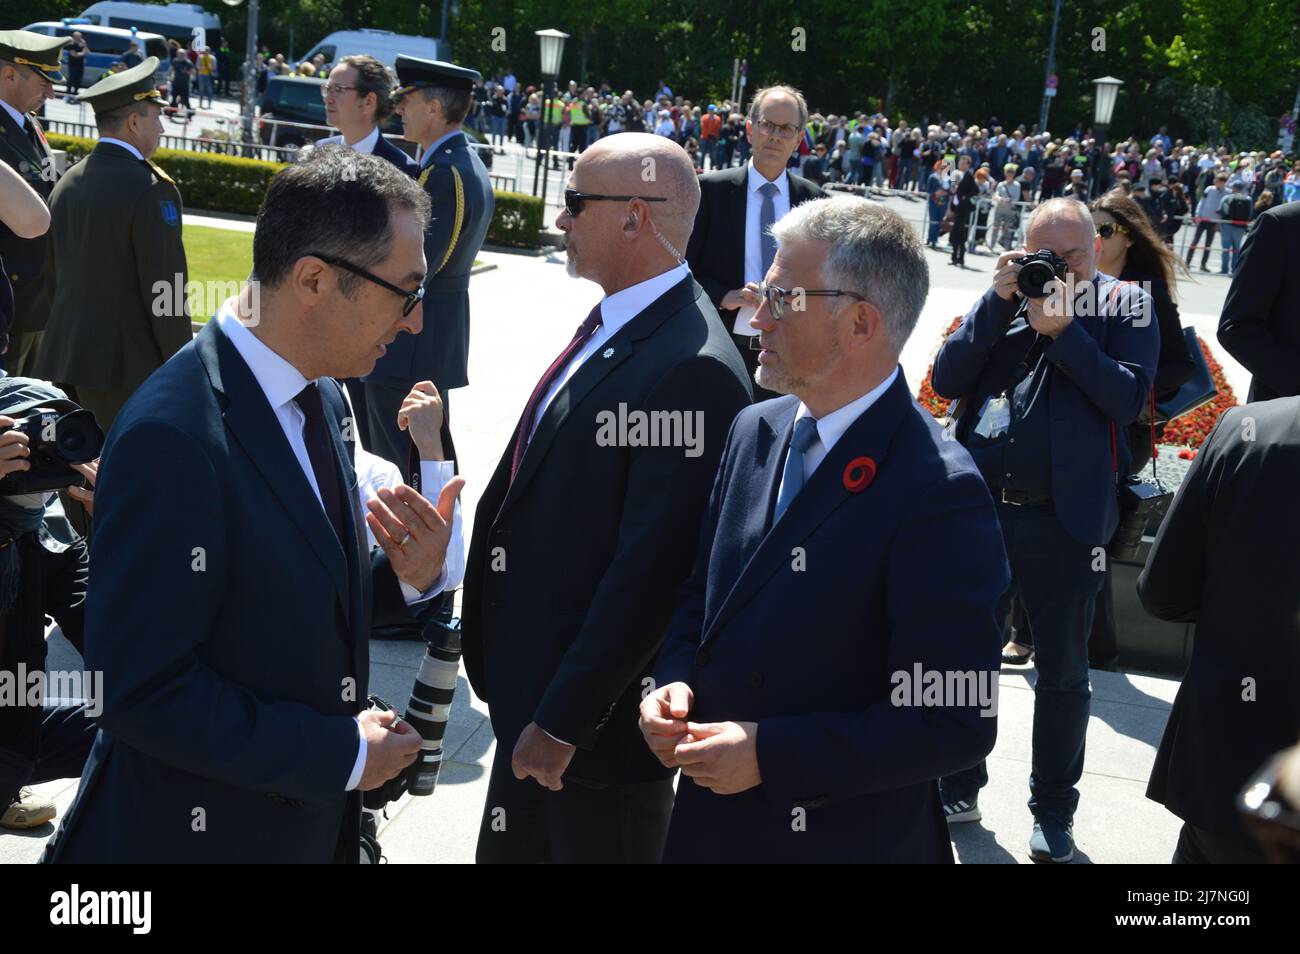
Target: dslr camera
{"x":1037,"y":270}
{"x":56,"y":439}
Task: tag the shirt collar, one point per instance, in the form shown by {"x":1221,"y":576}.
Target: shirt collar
{"x":123,"y":145}
{"x":366,"y":144}
{"x":280,"y":381}
{"x":831,"y":427}
{"x":756,"y":181}
{"x":622,"y":306}
{"x":17,"y":117}
{"x":428,"y":153}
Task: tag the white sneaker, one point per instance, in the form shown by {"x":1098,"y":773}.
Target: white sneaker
{"x":961,"y":811}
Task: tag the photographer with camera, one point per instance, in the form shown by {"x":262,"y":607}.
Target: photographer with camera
{"x":43,"y":570}
{"x":1051,"y":365}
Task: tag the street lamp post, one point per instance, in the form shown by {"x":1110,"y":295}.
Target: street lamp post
{"x":250,"y":69}
{"x":552,"y":42}
{"x":1106,"y":92}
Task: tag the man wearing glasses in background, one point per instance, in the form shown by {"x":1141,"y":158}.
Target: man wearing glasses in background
{"x":731,"y":247}
{"x":433,"y":100}
{"x":586,"y":528}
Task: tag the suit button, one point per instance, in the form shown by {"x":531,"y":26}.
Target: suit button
{"x":702,"y":657}
{"x":756,"y":680}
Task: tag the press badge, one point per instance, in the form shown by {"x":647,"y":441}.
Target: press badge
{"x":995,"y":418}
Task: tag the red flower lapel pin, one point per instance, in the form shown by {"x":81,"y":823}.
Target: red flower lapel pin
{"x":859,"y":474}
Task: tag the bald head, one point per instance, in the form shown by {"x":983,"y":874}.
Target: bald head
{"x":647,"y":165}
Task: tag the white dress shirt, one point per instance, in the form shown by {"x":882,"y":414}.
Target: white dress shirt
{"x":831,"y":427}
{"x":281,"y":382}
{"x":17,"y":117}
{"x":753,"y":240}
{"x":365,"y":145}
{"x":123,"y":144}
{"x":616,"y":310}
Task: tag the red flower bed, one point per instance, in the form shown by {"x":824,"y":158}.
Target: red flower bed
{"x":1190,"y":430}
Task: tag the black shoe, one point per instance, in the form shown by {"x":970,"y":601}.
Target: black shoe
{"x":1052,"y":841}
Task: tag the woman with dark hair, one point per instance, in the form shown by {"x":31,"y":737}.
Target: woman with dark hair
{"x":963,"y":204}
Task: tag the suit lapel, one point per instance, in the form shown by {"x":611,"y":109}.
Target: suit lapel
{"x":738,"y":248}
{"x":595,"y":369}
{"x":17,"y":138}
{"x":253,"y":424}
{"x":358,"y":556}
{"x":869,"y":436}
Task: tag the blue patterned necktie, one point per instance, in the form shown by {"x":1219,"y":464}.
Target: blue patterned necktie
{"x":766,"y":219}
{"x":805,"y":432}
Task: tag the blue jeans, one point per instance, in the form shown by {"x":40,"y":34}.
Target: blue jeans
{"x":1054,"y":577}
{"x":205,"y":89}
{"x":1231,"y":239}
{"x":937,"y":212}
{"x":66,"y":737}
{"x":498,"y":130}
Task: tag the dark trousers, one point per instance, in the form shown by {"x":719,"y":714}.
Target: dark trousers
{"x":21,"y":354}
{"x":960,"y":232}
{"x":76,"y":76}
{"x":1209,"y":229}
{"x":66,"y":737}
{"x":583,"y":823}
{"x":105,"y":405}
{"x":1196,"y":846}
{"x":750,"y":357}
{"x":1052,"y":574}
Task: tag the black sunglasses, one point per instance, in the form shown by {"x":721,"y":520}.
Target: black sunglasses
{"x":573,"y":200}
{"x":1109,"y":229}
{"x":412,"y":298}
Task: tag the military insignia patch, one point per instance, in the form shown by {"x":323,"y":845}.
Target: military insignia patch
{"x":169,"y":213}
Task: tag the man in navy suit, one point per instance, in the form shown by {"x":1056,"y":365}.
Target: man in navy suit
{"x":850,"y":557}
{"x":233,"y":592}
{"x":1050,"y":385}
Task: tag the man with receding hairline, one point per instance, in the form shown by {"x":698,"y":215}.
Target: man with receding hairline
{"x":589,"y":522}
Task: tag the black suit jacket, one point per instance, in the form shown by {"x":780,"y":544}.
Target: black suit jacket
{"x":386,"y":150}
{"x":1260,"y":324}
{"x":231,"y":627}
{"x":571,"y":570}
{"x":716,"y":250}
{"x":1225,"y":558}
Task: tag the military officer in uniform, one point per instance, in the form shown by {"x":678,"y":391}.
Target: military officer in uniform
{"x":119,"y":274}
{"x":433,"y":99}
{"x":29,"y":68}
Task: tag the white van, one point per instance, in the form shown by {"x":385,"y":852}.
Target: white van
{"x":105,"y":46}
{"x":383,"y":45}
{"x":175,"y":21}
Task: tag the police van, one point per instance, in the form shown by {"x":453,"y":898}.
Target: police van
{"x":174,"y":21}
{"x":105,"y":46}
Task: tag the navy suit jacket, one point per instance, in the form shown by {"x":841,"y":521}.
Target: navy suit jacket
{"x":1100,"y":371}
{"x":801,"y":628}
{"x":461,"y":192}
{"x":386,"y":150}
{"x":231,"y":627}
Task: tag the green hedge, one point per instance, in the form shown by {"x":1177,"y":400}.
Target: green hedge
{"x":206,"y":180}
{"x":229,"y":184}
{"x":517,"y":221}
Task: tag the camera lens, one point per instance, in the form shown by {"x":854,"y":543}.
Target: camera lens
{"x":77,"y":438}
{"x":1033,"y":279}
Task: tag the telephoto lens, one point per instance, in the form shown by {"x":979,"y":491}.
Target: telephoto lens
{"x":430,"y":705}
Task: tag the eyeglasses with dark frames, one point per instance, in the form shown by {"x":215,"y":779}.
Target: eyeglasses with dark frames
{"x":412,"y":298}
{"x":1109,"y":229}
{"x":776,"y":296}
{"x":334,"y":89}
{"x":574,"y":200}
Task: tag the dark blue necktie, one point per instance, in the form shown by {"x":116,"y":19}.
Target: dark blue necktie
{"x":805,"y":433}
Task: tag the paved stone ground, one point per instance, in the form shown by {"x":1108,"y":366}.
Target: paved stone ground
{"x":525,"y":310}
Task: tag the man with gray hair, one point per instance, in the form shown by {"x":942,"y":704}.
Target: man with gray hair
{"x":790,"y":680}
{"x":1050,"y":375}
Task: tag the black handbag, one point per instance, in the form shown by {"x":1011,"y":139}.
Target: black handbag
{"x":1140,"y":500}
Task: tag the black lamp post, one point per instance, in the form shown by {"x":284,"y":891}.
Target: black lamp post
{"x":552,"y":53}
{"x":1106,"y":92}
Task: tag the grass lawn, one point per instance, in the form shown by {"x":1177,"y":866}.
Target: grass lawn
{"x":218,"y":256}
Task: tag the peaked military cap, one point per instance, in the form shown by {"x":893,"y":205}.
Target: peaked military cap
{"x":36,"y":50}
{"x":126,"y":88}
{"x":413,"y":73}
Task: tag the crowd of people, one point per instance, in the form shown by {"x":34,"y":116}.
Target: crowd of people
{"x":633,"y":622}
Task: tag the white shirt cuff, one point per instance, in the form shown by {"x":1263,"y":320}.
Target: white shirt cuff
{"x":434,"y":475}
{"x":358,"y":767}
{"x":561,"y":741}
